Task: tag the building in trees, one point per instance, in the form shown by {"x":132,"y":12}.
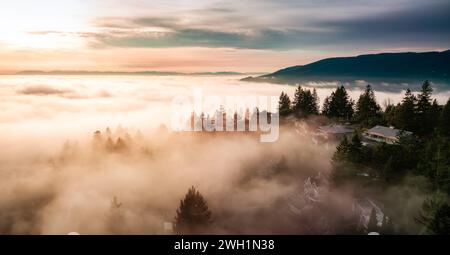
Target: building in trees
{"x":335,"y":131}
{"x":388,"y":135}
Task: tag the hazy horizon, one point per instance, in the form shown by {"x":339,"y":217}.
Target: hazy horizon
{"x":211,"y":35}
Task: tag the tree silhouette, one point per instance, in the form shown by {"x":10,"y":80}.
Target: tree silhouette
{"x":424,"y":98}
{"x":193,"y":215}
{"x":116,"y":218}
{"x":338,"y":105}
{"x":284,"y":105}
{"x":368,"y":112}
{"x":436,"y":214}
{"x":425,"y":112}
{"x":406,"y":118}
{"x":444,"y":122}
{"x":305,"y":102}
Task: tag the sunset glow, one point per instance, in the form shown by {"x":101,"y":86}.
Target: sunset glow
{"x":201,"y":35}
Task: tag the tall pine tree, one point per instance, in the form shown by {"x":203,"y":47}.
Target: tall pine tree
{"x":426,"y":119}
{"x":193,"y":215}
{"x":338,"y":105}
{"x":444,"y":120}
{"x":284,"y":104}
{"x":305,"y":102}
{"x":368,"y":111}
{"x":406,"y":114}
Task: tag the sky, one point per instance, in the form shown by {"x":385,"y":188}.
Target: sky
{"x":207,"y":35}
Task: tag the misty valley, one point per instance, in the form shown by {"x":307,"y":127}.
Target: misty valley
{"x":96,"y":155}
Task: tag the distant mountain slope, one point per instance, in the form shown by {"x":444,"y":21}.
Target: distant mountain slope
{"x":426,"y":65}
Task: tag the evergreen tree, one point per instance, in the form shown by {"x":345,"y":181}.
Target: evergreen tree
{"x":406,"y":117}
{"x":339,"y":105}
{"x":440,"y":224}
{"x":367,"y":109}
{"x":426,"y":118}
{"x":424,"y":98}
{"x":326,"y":106}
{"x":372,"y":225}
{"x":433,"y":117}
{"x":434,"y":162}
{"x":390,"y":114}
{"x":284,"y":104}
{"x":305,"y":102}
{"x":193,"y":215}
{"x":342,"y":150}
{"x":116,"y":219}
{"x":436,"y":215}
{"x":444,"y":120}
{"x":339,"y":172}
{"x":355,"y":149}
{"x":316,"y":101}
{"x":389,"y":169}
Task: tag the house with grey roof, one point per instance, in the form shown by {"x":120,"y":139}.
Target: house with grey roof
{"x":389,"y":135}
{"x":335,"y":130}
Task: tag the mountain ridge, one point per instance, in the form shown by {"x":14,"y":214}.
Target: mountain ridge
{"x":405,"y":65}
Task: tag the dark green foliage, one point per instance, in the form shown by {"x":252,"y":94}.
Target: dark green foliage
{"x":424,"y":98}
{"x":405,"y":118}
{"x":193,"y":215}
{"x":424,"y":156}
{"x":435,"y":162}
{"x":305,"y":102}
{"x":444,"y":120}
{"x":368,"y":112}
{"x":440,"y":224}
{"x":315,"y":102}
{"x":427,"y":114}
{"x":341,"y":150}
{"x":355,"y":149}
{"x":389,"y":115}
{"x":341,"y":166}
{"x":418,"y":114}
{"x":346,"y":159}
{"x":389,"y":169}
{"x":284,"y":105}
{"x":350,"y":151}
{"x":434,"y":116}
{"x":436,"y":215}
{"x":338,"y":105}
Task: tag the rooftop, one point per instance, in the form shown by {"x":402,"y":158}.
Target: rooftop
{"x":336,"y":129}
{"x":389,"y":132}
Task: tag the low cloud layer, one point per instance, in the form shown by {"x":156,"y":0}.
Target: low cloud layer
{"x":74,"y":189}
{"x":57,"y":176}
